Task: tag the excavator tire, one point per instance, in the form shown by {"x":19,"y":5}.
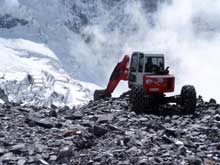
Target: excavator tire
{"x":188,"y":99}
{"x":150,"y":105}
{"x":137,"y":99}
{"x":98,"y":94}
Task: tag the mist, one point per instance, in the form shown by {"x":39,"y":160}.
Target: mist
{"x":187,"y":32}
{"x":9,"y":6}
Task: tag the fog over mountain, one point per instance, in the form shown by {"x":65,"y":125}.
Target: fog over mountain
{"x":90,"y":37}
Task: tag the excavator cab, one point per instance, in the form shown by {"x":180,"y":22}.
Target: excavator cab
{"x":145,"y":64}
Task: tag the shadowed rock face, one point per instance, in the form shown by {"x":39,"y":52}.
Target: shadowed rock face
{"x":106,"y":132}
{"x":85,"y":13}
{"x":8,"y":22}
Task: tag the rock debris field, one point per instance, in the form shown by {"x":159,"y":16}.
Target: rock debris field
{"x":107,"y":132}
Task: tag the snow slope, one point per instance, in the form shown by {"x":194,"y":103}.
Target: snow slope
{"x":47,"y":83}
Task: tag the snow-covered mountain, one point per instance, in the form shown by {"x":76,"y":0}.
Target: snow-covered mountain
{"x":89,"y":37}
{"x":78,"y":32}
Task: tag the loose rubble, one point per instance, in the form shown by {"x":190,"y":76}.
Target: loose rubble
{"x":107,"y":132}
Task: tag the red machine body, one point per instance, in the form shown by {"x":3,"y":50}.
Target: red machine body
{"x":158,"y":83}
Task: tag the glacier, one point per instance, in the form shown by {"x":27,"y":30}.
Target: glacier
{"x":31,"y":74}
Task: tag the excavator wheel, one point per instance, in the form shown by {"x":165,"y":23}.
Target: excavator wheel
{"x":188,"y":99}
{"x":150,"y":105}
{"x":137,"y":99}
{"x":98,"y":94}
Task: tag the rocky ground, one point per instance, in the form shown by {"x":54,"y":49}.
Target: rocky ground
{"x":106,"y":132}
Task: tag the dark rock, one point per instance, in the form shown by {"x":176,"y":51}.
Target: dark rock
{"x":58,"y":125}
{"x":212,"y":101}
{"x":182,"y":151}
{"x":217,"y":117}
{"x":24,"y":109}
{"x":167,"y":139}
{"x":2,"y":151}
{"x":8,"y":22}
{"x":38,"y":119}
{"x":99,"y":131}
{"x":153,"y":124}
{"x":65,"y":154}
{"x":171,"y":132}
{"x":3,"y":96}
{"x":65,"y":108}
{"x":195,"y":161}
{"x":30,"y":123}
{"x":158,"y":160}
{"x":143,"y":161}
{"x":200,"y":101}
{"x":83,"y":142}
{"x":53,"y":107}
{"x":52,"y":113}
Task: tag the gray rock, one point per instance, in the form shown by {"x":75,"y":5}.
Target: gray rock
{"x":18,"y":148}
{"x":42,"y":161}
{"x":105,"y":133}
{"x":105,"y":118}
{"x":125,"y":162}
{"x":44,"y":123}
{"x":75,"y":116}
{"x":53,"y":157}
{"x":21,"y":162}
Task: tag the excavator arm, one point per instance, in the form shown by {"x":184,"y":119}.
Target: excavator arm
{"x":119,"y":73}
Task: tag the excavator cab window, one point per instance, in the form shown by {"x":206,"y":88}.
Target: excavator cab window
{"x":141,"y":63}
{"x":154,"y":64}
{"x":134,"y":62}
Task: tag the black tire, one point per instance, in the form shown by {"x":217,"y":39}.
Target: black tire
{"x":151,"y":104}
{"x":98,"y":94}
{"x":188,"y":99}
{"x":137,"y":99}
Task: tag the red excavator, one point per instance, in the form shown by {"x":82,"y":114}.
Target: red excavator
{"x":148,"y":80}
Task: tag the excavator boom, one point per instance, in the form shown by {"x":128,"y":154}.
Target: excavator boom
{"x":119,"y":73}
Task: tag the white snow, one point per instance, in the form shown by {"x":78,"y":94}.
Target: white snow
{"x":51,"y":84}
